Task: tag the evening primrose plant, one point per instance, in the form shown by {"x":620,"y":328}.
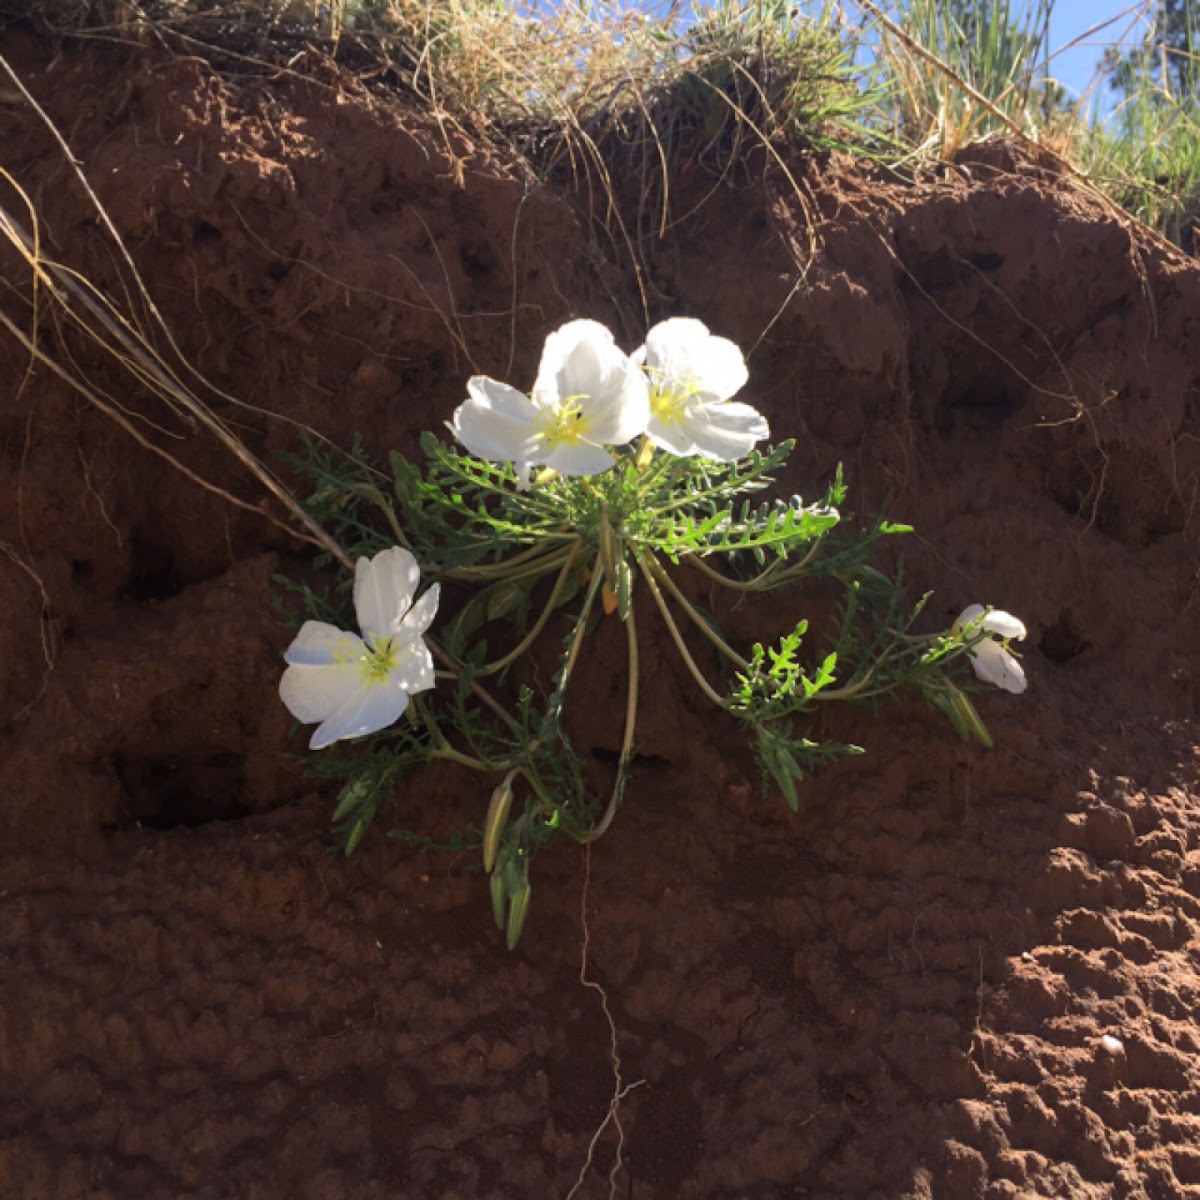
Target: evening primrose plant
{"x":551,"y":511}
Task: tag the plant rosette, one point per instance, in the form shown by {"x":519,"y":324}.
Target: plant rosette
{"x":615,"y":473}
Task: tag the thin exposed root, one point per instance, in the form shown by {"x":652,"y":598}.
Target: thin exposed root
{"x":1070,"y":397}
{"x":113,"y":414}
{"x":45,"y":626}
{"x":80,"y":303}
{"x":86,"y":470}
{"x":621,"y":1089}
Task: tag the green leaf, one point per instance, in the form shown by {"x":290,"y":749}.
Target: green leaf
{"x":506,"y":599}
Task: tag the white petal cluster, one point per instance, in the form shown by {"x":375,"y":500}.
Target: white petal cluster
{"x":358,"y":685}
{"x":588,"y":396}
{"x":990,"y":656}
{"x":692,"y":375}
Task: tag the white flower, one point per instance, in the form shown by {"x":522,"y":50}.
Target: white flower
{"x":588,"y":395}
{"x":990,"y":656}
{"x":356,"y":685}
{"x":692,"y":374}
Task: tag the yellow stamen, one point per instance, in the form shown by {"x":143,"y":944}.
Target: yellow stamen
{"x":563,"y":424}
{"x":670,"y":398}
{"x":379,"y":661}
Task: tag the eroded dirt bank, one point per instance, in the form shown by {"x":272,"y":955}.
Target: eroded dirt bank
{"x":900,"y":992}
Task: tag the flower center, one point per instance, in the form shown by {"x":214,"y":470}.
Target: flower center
{"x":671,"y":398}
{"x":379,"y":661}
{"x":563,"y":423}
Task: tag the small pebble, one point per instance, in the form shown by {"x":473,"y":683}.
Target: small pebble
{"x":1112,"y":1045}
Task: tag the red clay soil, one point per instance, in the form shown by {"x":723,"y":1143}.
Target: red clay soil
{"x":954,"y":973}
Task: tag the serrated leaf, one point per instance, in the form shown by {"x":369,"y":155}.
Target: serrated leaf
{"x":824,"y":676}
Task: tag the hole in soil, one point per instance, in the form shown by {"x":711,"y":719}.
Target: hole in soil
{"x":1127,"y":498}
{"x":934,"y":274}
{"x":982,"y":402}
{"x":205,"y":235}
{"x":477,"y":260}
{"x":182,"y":790}
{"x":1062,"y":641}
{"x":602,"y":754}
{"x":989,"y":404}
{"x":81,"y":570}
{"x":152,"y":572}
{"x":987,"y":262}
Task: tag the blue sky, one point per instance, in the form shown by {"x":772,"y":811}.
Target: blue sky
{"x":1076,"y":54}
{"x":1070,"y":19}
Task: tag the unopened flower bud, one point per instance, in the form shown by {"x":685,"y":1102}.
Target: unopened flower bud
{"x":493,"y":825}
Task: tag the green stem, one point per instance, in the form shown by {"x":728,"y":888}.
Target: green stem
{"x":441,"y":748}
{"x":448,"y":752}
{"x":577,"y":636}
{"x":790,"y":573}
{"x":534,"y":782}
{"x":477,"y":689}
{"x":677,"y":637}
{"x":631,"y":704}
{"x":655,"y":469}
{"x":540,"y":623}
{"x":368,"y":491}
{"x":849,"y":691}
{"x":504,"y":568}
{"x":740,"y":585}
{"x":719,"y":642}
{"x":541,"y":566}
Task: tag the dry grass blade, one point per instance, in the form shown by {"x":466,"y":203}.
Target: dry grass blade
{"x":1077,"y":176}
{"x":96,"y":318}
{"x":93,"y":317}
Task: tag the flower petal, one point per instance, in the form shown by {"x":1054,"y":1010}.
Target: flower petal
{"x":683,"y":351}
{"x":723,"y":431}
{"x":673,"y":436}
{"x":581,"y":458}
{"x":496,"y":422}
{"x":414,"y":669}
{"x":575,"y":361}
{"x":993,"y":664}
{"x":420,"y":616}
{"x":383,"y":591}
{"x":671,"y":346}
{"x":720,"y":369}
{"x":321,"y":645}
{"x":581,"y":362}
{"x":316,"y":693}
{"x":624,"y":413}
{"x":1004,"y":624}
{"x":967,"y":618}
{"x":374,"y":707}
